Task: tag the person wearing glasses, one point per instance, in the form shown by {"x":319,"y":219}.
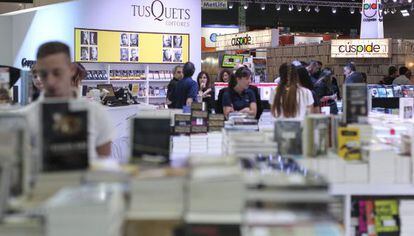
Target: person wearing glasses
{"x":178,"y":75}
{"x":59,"y":78}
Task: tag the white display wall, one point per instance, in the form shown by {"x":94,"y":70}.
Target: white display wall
{"x":57,"y":22}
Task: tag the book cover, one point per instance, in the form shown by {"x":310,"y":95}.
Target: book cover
{"x":370,"y":218}
{"x":386,"y":217}
{"x":316,"y":135}
{"x":349,"y":143}
{"x":288,"y":136}
{"x":362,"y":219}
{"x":406,"y":108}
{"x":65,"y":137}
{"x":355,"y":102}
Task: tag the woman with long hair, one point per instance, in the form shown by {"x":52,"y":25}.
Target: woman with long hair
{"x":291,"y":100}
{"x":238,"y":97}
{"x":206,"y":89}
{"x":224,"y":76}
{"x":325,"y":90}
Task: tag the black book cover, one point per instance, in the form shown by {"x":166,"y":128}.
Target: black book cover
{"x":356,"y":102}
{"x":151,"y":138}
{"x":288,"y":136}
{"x":65,"y":138}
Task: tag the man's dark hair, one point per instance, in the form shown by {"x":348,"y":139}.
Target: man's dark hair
{"x":188,"y":69}
{"x":403,"y":70}
{"x":351,"y":66}
{"x":52,"y":48}
{"x":392,"y":70}
{"x":313,"y":63}
{"x":176,"y":68}
{"x":320,"y":63}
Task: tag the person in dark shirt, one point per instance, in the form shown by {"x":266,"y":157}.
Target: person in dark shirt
{"x":392,"y":74}
{"x":313,"y":69}
{"x":206,"y":90}
{"x":351,"y":75}
{"x":238,"y":97}
{"x":178,"y":75}
{"x":306,"y":81}
{"x":185,"y":93}
{"x":325,"y":91}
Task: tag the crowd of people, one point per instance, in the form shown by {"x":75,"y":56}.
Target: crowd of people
{"x":302,"y":88}
{"x":402,"y":76}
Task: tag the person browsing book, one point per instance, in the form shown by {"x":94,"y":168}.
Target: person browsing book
{"x":238,"y":97}
{"x":291,"y":99}
{"x":57,"y":73}
{"x":206,"y":90}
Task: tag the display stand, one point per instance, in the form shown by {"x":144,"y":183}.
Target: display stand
{"x":147,"y":82}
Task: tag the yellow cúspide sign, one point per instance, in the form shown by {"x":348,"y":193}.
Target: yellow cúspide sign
{"x":108,"y":46}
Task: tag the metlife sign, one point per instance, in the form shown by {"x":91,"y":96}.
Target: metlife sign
{"x":214,"y":4}
{"x":372,"y":21}
{"x":361,"y":48}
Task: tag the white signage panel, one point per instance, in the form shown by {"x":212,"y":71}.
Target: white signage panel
{"x":372,"y":21}
{"x":361,"y":48}
{"x":210,"y":34}
{"x":248,"y":40}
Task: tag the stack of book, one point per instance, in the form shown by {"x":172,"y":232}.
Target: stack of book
{"x":92,"y":211}
{"x":199,"y":118}
{"x":283,"y":199}
{"x":216,"y":190}
{"x":406,"y":217}
{"x":198,"y":143}
{"x":157,"y":194}
{"x":215,"y":143}
{"x":379,"y":217}
{"x":215,"y":122}
{"x":180,"y":146}
{"x":182,"y":123}
{"x":248,"y":144}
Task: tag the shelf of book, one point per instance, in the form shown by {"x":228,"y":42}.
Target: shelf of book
{"x":94,"y":81}
{"x":126,"y":81}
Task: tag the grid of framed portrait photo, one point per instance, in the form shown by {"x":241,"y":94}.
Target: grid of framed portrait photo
{"x":129,"y":43}
{"x":89,"y":45}
{"x":172,"y":48}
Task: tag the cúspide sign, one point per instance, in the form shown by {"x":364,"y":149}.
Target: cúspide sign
{"x":248,"y":40}
{"x":161,"y":12}
{"x":360,"y":48}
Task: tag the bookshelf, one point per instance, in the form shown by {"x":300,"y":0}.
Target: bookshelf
{"x":152,"y":79}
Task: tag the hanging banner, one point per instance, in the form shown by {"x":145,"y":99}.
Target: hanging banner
{"x":110,"y":46}
{"x":372,"y":21}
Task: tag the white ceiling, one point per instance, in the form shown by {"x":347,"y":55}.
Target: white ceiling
{"x":10,"y":7}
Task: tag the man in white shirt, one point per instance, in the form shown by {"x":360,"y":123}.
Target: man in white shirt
{"x":402,"y":79}
{"x":56,"y":71}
